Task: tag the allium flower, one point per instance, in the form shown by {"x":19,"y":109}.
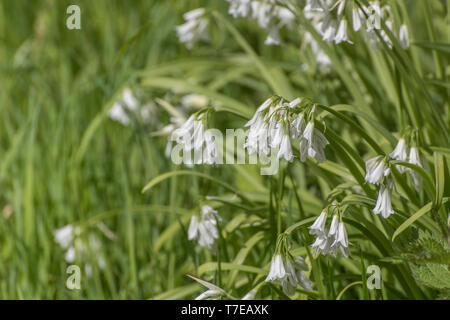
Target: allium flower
{"x":122,"y":108}
{"x":250,"y":295}
{"x":273,"y":39}
{"x":400,"y":153}
{"x":204,"y":230}
{"x":313,"y":5}
{"x":376,"y":170}
{"x":341,"y":8}
{"x":289,"y":274}
{"x":357,"y":17}
{"x":323,"y":243}
{"x":277,"y":271}
{"x":297,"y":127}
{"x":285,"y":149}
{"x":64,"y":236}
{"x":414,"y":158}
{"x":341,"y":240}
{"x":404,"y":36}
{"x":334,"y":226}
{"x":383,"y":204}
{"x":210,"y":294}
{"x":312,"y":143}
{"x":194,"y":29}
{"x":318,"y":227}
{"x":240,"y":8}
{"x":341,"y":34}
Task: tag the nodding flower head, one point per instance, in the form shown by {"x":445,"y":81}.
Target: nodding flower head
{"x":383,"y":205}
{"x":376,"y":170}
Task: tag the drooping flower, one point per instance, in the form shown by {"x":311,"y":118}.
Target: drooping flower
{"x":414,"y":158}
{"x":341,"y":34}
{"x":289,"y":273}
{"x":277,"y":271}
{"x":383,"y":205}
{"x":194,"y":29}
{"x":318,"y":227}
{"x":376,"y":170}
{"x":334,"y":226}
{"x":400,"y":153}
{"x":210,"y":294}
{"x":341,"y":240}
{"x":122,"y":108}
{"x":357,"y":17}
{"x":312,"y":143}
{"x":64,"y":236}
{"x":273,"y":39}
{"x":404,"y":36}
{"x":204,"y":230}
{"x":285,"y":149}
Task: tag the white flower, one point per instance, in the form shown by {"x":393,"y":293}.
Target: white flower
{"x":329,"y":33}
{"x":240,"y":8}
{"x":297,"y":127}
{"x":341,"y":34}
{"x":357,"y":17}
{"x":277,"y":271}
{"x":286,"y":149}
{"x":341,"y":8}
{"x":312,"y":143}
{"x":313,"y":5}
{"x":273,"y":39}
{"x":376,"y":170}
{"x":194,"y":101}
{"x":204,"y":230}
{"x":289,"y":274}
{"x":318,"y":227}
{"x":250,"y":295}
{"x":323,"y":243}
{"x":334,"y":226}
{"x":122,"y":108}
{"x":400,"y":153}
{"x":210,"y":294}
{"x":404,"y":36}
{"x":341,"y":240}
{"x":64,"y":236}
{"x":263,"y":12}
{"x":194,"y":29}
{"x":258,"y":112}
{"x":383,"y":204}
{"x":414,"y":158}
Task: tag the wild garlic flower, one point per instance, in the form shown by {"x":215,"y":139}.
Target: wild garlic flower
{"x":64,"y":236}
{"x":341,"y":34}
{"x":318,"y":227}
{"x":376,"y":170}
{"x":383,"y":205}
{"x":323,"y":243}
{"x":357,"y":18}
{"x":400,"y":153}
{"x":122,"y":109}
{"x":414,"y":158}
{"x":268,"y":14}
{"x":289,"y":273}
{"x":403,"y":36}
{"x":250,"y":295}
{"x":194,"y":29}
{"x":340,"y":240}
{"x":210,"y":294}
{"x":312,"y":143}
{"x":204,"y":229}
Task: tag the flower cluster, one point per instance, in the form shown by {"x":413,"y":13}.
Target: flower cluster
{"x":277,"y":121}
{"x":289,"y":272}
{"x":68,"y":237}
{"x":191,"y":135}
{"x":128,"y":109}
{"x":204,"y":229}
{"x":328,"y":17}
{"x":332,"y":240}
{"x":378,"y":172}
{"x":268,"y":13}
{"x":194,"y":29}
